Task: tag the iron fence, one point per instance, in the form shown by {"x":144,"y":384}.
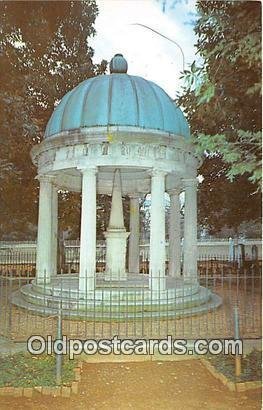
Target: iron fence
{"x":144,"y":317}
{"x":21,"y":261}
{"x":17,"y":262}
{"x":22,"y":254}
{"x":236,"y":281}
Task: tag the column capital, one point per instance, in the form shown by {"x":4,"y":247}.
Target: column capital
{"x":190,"y":182}
{"x":92,"y":170}
{"x":46,"y":178}
{"x":155,"y":172}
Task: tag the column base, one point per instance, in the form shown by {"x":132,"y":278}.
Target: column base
{"x":157,"y":283}
{"x":87,"y":283}
{"x":115,"y":276}
{"x":190,"y":279}
{"x":174,"y":274}
{"x":43,"y":279}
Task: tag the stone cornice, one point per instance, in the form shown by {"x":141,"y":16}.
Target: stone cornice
{"x":111,"y":135}
{"x":116,"y":154}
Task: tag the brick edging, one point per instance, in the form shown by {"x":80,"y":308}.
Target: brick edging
{"x":54,"y":391}
{"x":232,"y":386}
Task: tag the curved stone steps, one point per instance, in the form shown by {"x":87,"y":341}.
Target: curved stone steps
{"x":97,"y":311}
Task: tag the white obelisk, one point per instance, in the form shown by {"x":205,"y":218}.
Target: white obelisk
{"x":116,"y":235}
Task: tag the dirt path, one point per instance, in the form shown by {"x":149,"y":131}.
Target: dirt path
{"x":183,"y":385}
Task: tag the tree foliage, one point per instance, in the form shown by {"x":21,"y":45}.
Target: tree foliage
{"x":225,"y":204}
{"x":44,"y":53}
{"x":222,"y":100}
{"x":222,"y":95}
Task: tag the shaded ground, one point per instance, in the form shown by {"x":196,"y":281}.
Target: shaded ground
{"x":25,"y":370}
{"x":183,"y":385}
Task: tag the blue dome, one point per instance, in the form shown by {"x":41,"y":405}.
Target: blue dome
{"x":117,"y":99}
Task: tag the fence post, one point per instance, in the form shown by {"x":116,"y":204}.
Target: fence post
{"x":59,"y":356}
{"x":231,"y":252}
{"x":236,"y":336}
{"x":10,"y":291}
{"x":241,"y":257}
{"x":254,"y":257}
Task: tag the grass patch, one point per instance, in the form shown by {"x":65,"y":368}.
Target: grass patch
{"x":25,"y":370}
{"x":250,"y":370}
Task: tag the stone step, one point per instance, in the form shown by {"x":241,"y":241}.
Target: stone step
{"x":117,"y":301}
{"x":101,"y":315}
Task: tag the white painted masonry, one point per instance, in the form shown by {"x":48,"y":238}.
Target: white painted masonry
{"x":116,"y":236}
{"x":44,"y":235}
{"x":88,"y":231}
{"x":157,"y":231}
{"x":190,"y":229}
{"x":174,"y":234}
{"x":134,"y":238}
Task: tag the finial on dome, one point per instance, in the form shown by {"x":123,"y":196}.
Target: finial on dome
{"x":118,"y":64}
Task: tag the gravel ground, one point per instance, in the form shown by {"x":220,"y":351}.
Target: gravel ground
{"x":184,"y":385}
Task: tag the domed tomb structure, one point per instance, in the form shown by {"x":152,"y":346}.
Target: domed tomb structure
{"x":118,"y":134}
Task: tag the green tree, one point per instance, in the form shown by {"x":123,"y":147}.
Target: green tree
{"x":225,"y":204}
{"x":44,"y":53}
{"x":222,"y":100}
{"x":222,"y":96}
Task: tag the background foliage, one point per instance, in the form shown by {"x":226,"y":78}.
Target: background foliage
{"x":44,"y":53}
{"x":222,"y":101}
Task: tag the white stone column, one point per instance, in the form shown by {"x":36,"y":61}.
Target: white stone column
{"x":190,"y":229}
{"x":157,"y":279}
{"x":134,"y":238}
{"x":54,"y":231}
{"x":44,"y":234}
{"x":87,"y":268}
{"x":174,"y":234}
